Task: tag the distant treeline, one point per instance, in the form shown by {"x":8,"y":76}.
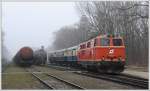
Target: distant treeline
{"x":126,"y":18}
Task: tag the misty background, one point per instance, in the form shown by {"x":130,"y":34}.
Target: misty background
{"x":34,"y":23}
{"x":58,"y":25}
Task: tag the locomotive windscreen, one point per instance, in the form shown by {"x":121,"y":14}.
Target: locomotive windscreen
{"x":104,"y":42}
{"x":117,"y":42}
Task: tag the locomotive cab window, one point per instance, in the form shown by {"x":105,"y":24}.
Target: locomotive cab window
{"x":104,"y":42}
{"x":82,"y":46}
{"x":117,"y":42}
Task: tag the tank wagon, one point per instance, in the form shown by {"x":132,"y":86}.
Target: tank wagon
{"x":24,"y":57}
{"x":105,"y":53}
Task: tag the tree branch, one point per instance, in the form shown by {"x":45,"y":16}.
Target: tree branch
{"x":133,"y":6}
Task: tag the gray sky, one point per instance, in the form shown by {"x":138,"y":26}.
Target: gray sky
{"x":33,"y":23}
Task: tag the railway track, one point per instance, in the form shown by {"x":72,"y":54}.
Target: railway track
{"x":42,"y":81}
{"x":53,"y":82}
{"x":65,"y":68}
{"x":67,"y":82}
{"x":121,"y":79}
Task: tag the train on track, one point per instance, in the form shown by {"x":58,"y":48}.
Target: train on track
{"x":27,"y":57}
{"x":40,"y":56}
{"x":104,"y":53}
{"x":24,"y":57}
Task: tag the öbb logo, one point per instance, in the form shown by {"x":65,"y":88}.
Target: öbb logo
{"x":111,"y":51}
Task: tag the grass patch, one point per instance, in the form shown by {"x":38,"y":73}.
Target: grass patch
{"x":15,"y":77}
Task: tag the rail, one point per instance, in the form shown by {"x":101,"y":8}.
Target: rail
{"x":122,"y":79}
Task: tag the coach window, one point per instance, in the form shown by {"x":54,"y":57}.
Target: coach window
{"x":88,"y":44}
{"x":104,"y":42}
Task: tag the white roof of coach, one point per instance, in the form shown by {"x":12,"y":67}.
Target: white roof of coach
{"x":74,"y":47}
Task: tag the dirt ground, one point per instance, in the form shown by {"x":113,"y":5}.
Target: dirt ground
{"x":137,"y":68}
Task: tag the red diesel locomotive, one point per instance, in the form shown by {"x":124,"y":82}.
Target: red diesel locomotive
{"x":105,"y":53}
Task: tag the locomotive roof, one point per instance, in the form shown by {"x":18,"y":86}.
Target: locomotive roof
{"x":101,"y":36}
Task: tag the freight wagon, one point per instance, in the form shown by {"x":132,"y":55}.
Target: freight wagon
{"x":24,"y":57}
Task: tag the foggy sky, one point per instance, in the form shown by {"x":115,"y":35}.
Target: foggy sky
{"x":33,"y":23}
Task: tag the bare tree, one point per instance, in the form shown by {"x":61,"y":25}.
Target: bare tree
{"x":129,"y":19}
